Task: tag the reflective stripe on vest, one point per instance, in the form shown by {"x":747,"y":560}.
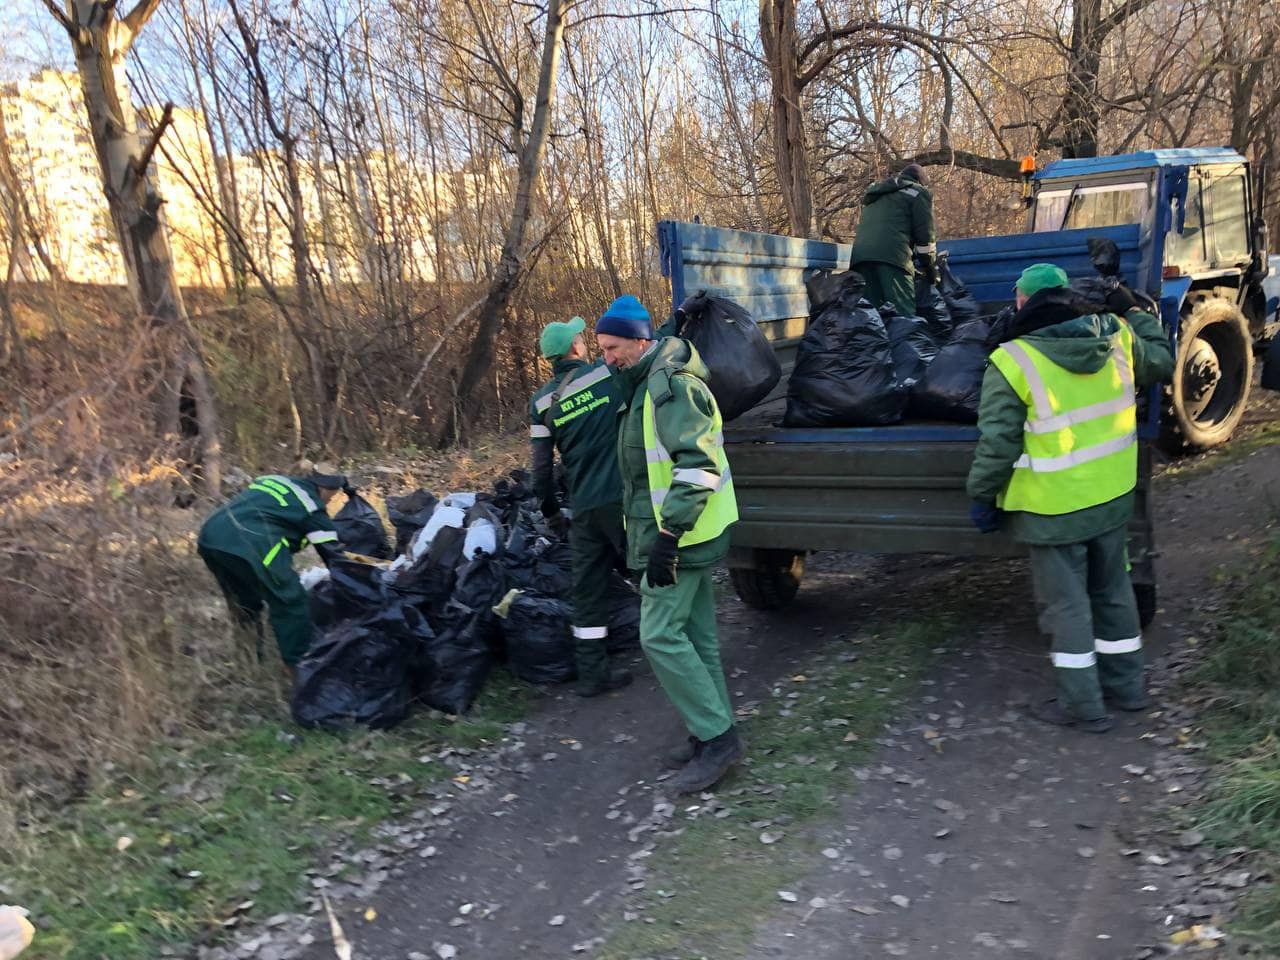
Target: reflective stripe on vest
{"x":1080,"y":437}
{"x":285,"y":485}
{"x":721,"y":508}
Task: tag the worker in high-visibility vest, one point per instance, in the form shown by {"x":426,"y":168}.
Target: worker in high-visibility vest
{"x":678,"y":504}
{"x":248,"y":545}
{"x":576,"y":412}
{"x":1056,"y":465}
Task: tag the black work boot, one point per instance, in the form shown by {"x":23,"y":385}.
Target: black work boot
{"x":1135,"y":704}
{"x":711,"y":761}
{"x":1052,"y":711}
{"x":677,"y":757}
{"x":613,"y":680}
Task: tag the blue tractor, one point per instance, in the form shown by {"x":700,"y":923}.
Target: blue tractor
{"x":1201,"y":253}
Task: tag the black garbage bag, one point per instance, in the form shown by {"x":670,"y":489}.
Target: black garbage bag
{"x":1271,"y":365}
{"x":952,"y":385}
{"x":1000,"y":327}
{"x":481,"y":583}
{"x":321,"y":600}
{"x":1095,"y":289}
{"x":932,"y":308}
{"x":1105,"y":256}
{"x":360,"y":528}
{"x":624,"y":614}
{"x":430,"y":579}
{"x":450,"y":668}
{"x":961,"y":304}
{"x":742,"y":364}
{"x":539,"y":638}
{"x":912,"y":346}
{"x":844,"y":370}
{"x":355,"y":589}
{"x":824,"y":287}
{"x":409,"y":514}
{"x":358,"y":672}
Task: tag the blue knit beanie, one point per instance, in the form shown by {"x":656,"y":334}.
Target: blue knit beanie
{"x":626,"y":317}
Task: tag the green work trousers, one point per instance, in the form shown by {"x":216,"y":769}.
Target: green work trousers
{"x":248,"y":586}
{"x":889,"y":284}
{"x":599,"y":545}
{"x":1088,"y":609}
{"x":678,"y":634}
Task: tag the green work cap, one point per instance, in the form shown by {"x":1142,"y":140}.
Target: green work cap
{"x":557,"y":337}
{"x":1040,"y":276}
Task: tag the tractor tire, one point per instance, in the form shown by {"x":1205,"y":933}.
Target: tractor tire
{"x":773,"y":582}
{"x":1211,"y":376}
{"x":1145,"y":595}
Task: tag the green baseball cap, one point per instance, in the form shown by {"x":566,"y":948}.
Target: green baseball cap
{"x":557,"y":337}
{"x":1040,"y":276}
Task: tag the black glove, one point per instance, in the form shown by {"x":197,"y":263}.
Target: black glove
{"x":329,"y":552}
{"x":929,"y":269}
{"x":1122,"y":300}
{"x":558,"y":523}
{"x":661,"y":570}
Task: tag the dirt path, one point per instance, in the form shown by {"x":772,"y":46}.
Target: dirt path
{"x":1001,"y":837}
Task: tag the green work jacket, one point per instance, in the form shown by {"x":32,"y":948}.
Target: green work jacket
{"x":268,"y":522}
{"x":582,"y":426}
{"x":1081,"y":344}
{"x":896,"y":224}
{"x":675,"y":377}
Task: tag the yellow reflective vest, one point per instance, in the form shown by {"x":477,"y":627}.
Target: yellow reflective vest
{"x":721,"y":508}
{"x":1080,"y":441}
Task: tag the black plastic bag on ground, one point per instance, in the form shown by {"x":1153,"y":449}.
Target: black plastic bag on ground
{"x":360,"y":529}
{"x":961,"y":305}
{"x":430,"y":579}
{"x":481,"y":584}
{"x":741,"y":362}
{"x":409,"y":514}
{"x":358,"y":672}
{"x":539,"y":638}
{"x":624,"y":614}
{"x":952,"y":385}
{"x":451,"y":667}
{"x":320,"y":599}
{"x":355,"y":589}
{"x":844,"y":369}
{"x":912,"y":347}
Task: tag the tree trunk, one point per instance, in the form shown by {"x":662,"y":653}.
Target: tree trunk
{"x":791,"y":153}
{"x":101,"y":40}
{"x":1080,"y":106}
{"x":507,"y":273}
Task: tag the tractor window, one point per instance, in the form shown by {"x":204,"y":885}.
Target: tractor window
{"x":1187,"y":248}
{"x":1112,"y":205}
{"x":1230,"y":219}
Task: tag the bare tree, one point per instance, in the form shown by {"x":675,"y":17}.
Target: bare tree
{"x":101,"y":40}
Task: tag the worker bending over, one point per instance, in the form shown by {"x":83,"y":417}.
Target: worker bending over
{"x":895,"y":230}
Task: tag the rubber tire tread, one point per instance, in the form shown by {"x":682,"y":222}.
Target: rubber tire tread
{"x":772,"y":583}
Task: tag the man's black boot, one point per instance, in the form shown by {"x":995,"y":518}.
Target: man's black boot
{"x":613,"y":680}
{"x":677,"y":757}
{"x":711,"y":761}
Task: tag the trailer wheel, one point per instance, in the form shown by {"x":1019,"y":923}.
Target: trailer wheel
{"x":772,"y":582}
{"x":1211,"y":377}
{"x":1145,"y":595}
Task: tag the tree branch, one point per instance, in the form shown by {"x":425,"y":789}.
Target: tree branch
{"x":1119,"y":15}
{"x":144,"y":159}
{"x":137,"y":18}
{"x":993,"y":166}
{"x":60,"y":16}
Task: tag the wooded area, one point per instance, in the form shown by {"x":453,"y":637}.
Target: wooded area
{"x":443,"y":176}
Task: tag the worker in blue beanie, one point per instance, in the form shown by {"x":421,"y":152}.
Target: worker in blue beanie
{"x":678,"y":502}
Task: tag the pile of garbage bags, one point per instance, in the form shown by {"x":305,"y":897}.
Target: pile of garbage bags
{"x":863,"y":365}
{"x":477,"y":579}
